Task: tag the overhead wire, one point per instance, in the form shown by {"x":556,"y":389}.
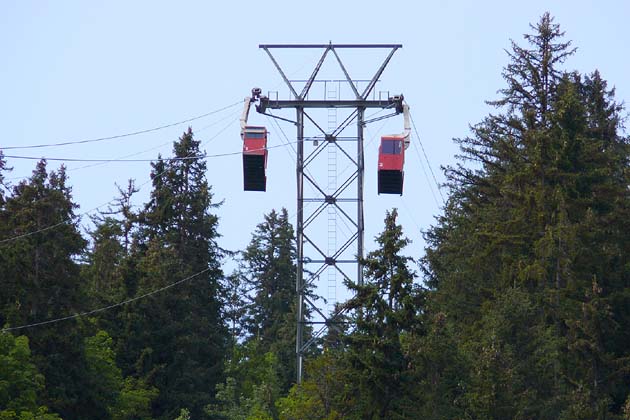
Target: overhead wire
{"x":65,"y":159}
{"x":277,"y":125}
{"x":173,"y":159}
{"x":105,"y":161}
{"x":125,"y":302}
{"x":427,"y":160}
{"x":426,"y":177}
{"x":105,"y":308}
{"x":288,"y":142}
{"x":369,"y":143}
{"x":191,"y":158}
{"x":197,"y":131}
{"x":411,"y":214}
{"x":140,"y":186}
{"x":138,"y":153}
{"x":119,"y":136}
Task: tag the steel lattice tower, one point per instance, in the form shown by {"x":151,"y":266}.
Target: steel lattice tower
{"x":323,"y":257}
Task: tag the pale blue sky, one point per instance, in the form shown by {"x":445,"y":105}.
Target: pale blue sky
{"x":71,"y":70}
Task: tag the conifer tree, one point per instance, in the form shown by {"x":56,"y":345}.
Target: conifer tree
{"x":177,"y":340}
{"x":108,"y":272}
{"x":261,"y":367}
{"x":519,"y":260}
{"x":388,"y":313}
{"x":268,"y":268}
{"x":41,"y":281}
{"x":3,"y":169}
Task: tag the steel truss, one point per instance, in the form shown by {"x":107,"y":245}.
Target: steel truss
{"x":358,"y":104}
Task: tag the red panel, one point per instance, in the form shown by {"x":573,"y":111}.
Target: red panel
{"x":391,"y":161}
{"x":255,"y":146}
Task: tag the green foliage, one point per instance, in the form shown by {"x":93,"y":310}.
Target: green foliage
{"x":268,"y":269}
{"x":231,"y":405}
{"x":105,"y":376}
{"x":103,"y":269}
{"x":527,"y":264}
{"x":302,"y":402}
{"x":252,"y":387}
{"x":41,"y":280}
{"x":134,"y":400}
{"x":526,"y":313}
{"x":370,"y":372}
{"x":40,"y":266}
{"x":387,"y":312}
{"x":40,"y":414}
{"x":21,"y":384}
{"x":175,"y":341}
{"x":325,"y":394}
{"x":440,"y":370}
{"x":184,"y":414}
{"x":261,"y":306}
{"x":116,"y":397}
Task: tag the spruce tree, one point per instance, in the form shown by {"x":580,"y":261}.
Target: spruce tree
{"x":268,"y":269}
{"x":387,"y":315}
{"x":527,"y":262}
{"x":262,"y":363}
{"x":41,"y":281}
{"x":176,"y":341}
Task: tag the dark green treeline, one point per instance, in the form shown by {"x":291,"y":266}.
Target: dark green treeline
{"x":519,"y":308}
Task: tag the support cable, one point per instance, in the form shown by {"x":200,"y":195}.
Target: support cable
{"x":143,"y":151}
{"x":174,"y":159}
{"x":411,"y":214}
{"x":369,"y":143}
{"x":119,"y":136}
{"x":105,"y":308}
{"x":290,"y":143}
{"x":426,"y":176}
{"x":427,"y":160}
{"x":140,"y":186}
{"x":279,"y":127}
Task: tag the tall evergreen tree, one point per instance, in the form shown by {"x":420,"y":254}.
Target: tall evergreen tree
{"x":388,"y":314}
{"x":268,"y":268}
{"x":262,"y":363}
{"x":102,"y":269}
{"x":109,"y":274}
{"x":3,"y":169}
{"x":177,"y":341}
{"x":40,"y":266}
{"x":522,"y":263}
{"x":41,"y":281}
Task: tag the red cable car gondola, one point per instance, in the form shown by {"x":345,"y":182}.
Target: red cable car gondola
{"x":254,"y":150}
{"x":254,"y":158}
{"x":391,"y":159}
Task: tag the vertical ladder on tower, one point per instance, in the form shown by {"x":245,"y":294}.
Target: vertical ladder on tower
{"x":332,"y":93}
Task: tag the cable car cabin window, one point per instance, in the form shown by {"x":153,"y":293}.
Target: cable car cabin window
{"x":251,"y":135}
{"x":391,"y":147}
